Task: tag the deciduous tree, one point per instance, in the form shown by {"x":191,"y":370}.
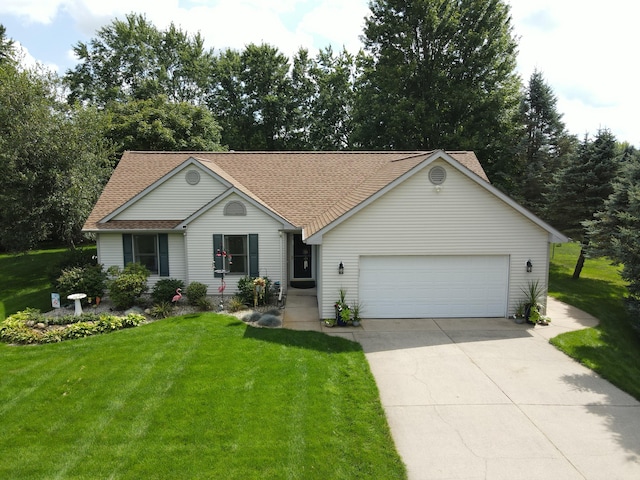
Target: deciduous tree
{"x":158,"y":124}
{"x":133,"y":59}
{"x":54,"y":160}
{"x":441,"y":74}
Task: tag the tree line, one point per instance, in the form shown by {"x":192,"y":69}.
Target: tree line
{"x":430,"y":74}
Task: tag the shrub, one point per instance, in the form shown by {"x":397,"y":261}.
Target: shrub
{"x":268,"y":320}
{"x":196,"y":291}
{"x":132,"y":320}
{"x":161,"y":310}
{"x":127,"y":285}
{"x":89,"y":279}
{"x":246,"y":290}
{"x":16,"y":328}
{"x":236,"y":304}
{"x":204,"y":304}
{"x":165,"y":289}
{"x":252,"y":317}
{"x":75,"y":257}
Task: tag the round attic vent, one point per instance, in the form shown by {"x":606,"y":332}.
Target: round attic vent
{"x":192,"y":177}
{"x":437,"y":175}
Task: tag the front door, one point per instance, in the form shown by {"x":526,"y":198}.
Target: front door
{"x":302,"y":258}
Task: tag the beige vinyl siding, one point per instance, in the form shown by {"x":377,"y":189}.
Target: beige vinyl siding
{"x":199,"y":238}
{"x":175,"y":199}
{"x":110,"y":253}
{"x":413,"y":219}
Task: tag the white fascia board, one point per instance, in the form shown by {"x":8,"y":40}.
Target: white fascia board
{"x":187,"y":163}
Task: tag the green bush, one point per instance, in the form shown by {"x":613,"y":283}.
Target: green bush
{"x":196,"y":291}
{"x":165,"y":289}
{"x":127,"y":285}
{"x":246,"y":291}
{"x":161,"y":310}
{"x":74,"y":257}
{"x":204,"y":304}
{"x":17,"y":327}
{"x":236,"y":304}
{"x":89,"y":279}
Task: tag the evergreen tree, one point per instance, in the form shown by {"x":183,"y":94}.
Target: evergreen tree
{"x":615,"y":230}
{"x":545,"y":143}
{"x":580,"y":189}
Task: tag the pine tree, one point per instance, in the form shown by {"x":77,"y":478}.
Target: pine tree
{"x":545,"y":143}
{"x":615,"y":230}
{"x":581,"y":188}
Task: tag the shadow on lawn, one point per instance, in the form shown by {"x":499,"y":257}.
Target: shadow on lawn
{"x":302,"y":339}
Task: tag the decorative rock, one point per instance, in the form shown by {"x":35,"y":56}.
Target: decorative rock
{"x":40,"y":326}
{"x":137,"y":310}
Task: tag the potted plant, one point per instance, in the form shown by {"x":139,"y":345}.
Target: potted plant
{"x":519,"y":315}
{"x":356,"y":309}
{"x":343,"y":312}
{"x":532,"y":305}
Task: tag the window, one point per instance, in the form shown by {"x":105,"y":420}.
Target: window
{"x":236,"y":246}
{"x":152,"y":251}
{"x":235,"y":208}
{"x":244,"y":254}
{"x":145,"y":251}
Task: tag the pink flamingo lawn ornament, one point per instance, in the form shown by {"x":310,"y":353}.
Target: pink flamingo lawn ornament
{"x":177,"y":296}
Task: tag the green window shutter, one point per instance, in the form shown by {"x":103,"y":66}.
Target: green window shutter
{"x":217,"y":261}
{"x":254,"y":267}
{"x":127,"y":248}
{"x":163,"y":247}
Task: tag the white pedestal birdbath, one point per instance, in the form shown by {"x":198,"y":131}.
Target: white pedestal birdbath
{"x":77,"y":297}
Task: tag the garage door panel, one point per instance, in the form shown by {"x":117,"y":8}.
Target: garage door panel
{"x":434,"y":286}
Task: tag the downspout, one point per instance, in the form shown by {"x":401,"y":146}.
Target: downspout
{"x":185,"y":242}
{"x":282,"y":260}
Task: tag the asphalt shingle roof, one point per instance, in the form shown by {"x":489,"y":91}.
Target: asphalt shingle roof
{"x":308,"y":189}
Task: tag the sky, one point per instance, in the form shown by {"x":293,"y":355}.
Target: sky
{"x":586,"y":50}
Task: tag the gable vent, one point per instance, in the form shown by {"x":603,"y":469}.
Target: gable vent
{"x":235,"y":208}
{"x":192,"y":177}
{"x":437,"y":175}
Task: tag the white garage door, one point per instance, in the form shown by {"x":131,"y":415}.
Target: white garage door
{"x":434,"y":286}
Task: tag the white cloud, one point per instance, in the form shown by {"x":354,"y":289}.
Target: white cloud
{"x":29,"y":61}
{"x":336,"y":22}
{"x":585,"y":50}
{"x":36,"y":11}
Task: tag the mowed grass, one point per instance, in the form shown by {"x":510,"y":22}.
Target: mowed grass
{"x":25,"y":282}
{"x":199,"y":396}
{"x":612,"y":348}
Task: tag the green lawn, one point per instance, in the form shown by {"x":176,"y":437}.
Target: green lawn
{"x":612,"y":348}
{"x":25,"y":282}
{"x":200,"y":396}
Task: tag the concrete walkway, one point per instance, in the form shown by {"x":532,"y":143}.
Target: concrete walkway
{"x":490,"y":399}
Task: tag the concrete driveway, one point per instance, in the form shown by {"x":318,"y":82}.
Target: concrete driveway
{"x":490,"y":399}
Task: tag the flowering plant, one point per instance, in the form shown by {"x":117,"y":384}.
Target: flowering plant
{"x":258,"y":290}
